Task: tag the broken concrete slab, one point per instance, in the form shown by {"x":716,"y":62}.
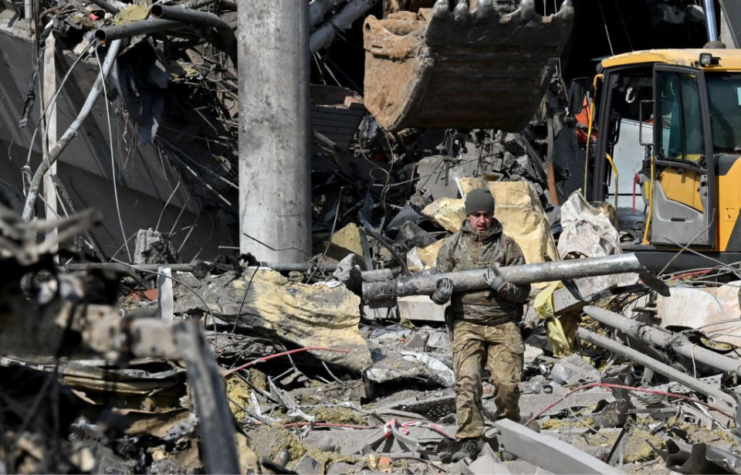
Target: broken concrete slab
{"x":548,"y":452}
{"x":423,"y":258}
{"x":535,"y":403}
{"x":694,"y":308}
{"x":308,"y":466}
{"x":346,"y":240}
{"x":153,"y":247}
{"x":421,"y":308}
{"x":448,"y":213}
{"x":428,"y":255}
{"x":488,"y":463}
{"x":264,"y":302}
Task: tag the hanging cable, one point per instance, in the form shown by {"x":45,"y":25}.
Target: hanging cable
{"x":113,"y":160}
{"x":622,"y":21}
{"x":604,"y":23}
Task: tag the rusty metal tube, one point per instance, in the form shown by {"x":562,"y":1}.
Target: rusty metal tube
{"x":186,"y":15}
{"x":664,"y":339}
{"x":525,"y":274}
{"x":195,"y":17}
{"x":110,"y":8}
{"x":659,"y":367}
{"x":143,"y":27}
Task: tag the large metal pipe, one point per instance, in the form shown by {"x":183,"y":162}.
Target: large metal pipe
{"x":325,"y":33}
{"x":186,"y":15}
{"x":525,"y":274}
{"x":144,"y":27}
{"x":318,"y":9}
{"x":710,"y":19}
{"x":664,"y":339}
{"x":661,"y":368}
{"x":274,"y":131}
{"x":195,"y":17}
{"x":28,"y":12}
{"x":112,"y":9}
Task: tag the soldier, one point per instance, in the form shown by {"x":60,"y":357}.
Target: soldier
{"x":484,"y":322}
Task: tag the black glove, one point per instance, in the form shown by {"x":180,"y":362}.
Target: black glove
{"x":494,"y":279}
{"x":443,"y":291}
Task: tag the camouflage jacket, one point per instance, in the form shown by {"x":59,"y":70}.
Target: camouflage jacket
{"x":469,"y":250}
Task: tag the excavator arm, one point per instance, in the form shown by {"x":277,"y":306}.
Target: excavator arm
{"x":477,"y":65}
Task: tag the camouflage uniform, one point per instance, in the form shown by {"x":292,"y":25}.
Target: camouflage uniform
{"x":485,"y":326}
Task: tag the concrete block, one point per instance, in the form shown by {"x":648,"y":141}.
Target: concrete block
{"x":421,"y":308}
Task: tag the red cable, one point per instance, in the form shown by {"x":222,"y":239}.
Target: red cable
{"x":628,"y":388}
{"x":270,"y":357}
{"x":326,"y":424}
{"x":690,"y":274}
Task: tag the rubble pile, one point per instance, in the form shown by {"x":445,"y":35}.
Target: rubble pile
{"x":234,"y":367}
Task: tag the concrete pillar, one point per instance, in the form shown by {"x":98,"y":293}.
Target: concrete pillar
{"x":274,"y":133}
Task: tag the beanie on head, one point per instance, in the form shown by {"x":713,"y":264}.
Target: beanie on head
{"x":479,"y":200}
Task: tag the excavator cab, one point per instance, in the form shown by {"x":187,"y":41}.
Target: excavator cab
{"x":475,"y":64}
{"x":669,"y":148}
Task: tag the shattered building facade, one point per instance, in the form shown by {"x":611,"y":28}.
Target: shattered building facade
{"x":219,"y":223}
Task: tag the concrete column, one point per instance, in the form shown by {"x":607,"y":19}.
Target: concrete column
{"x":274,"y":133}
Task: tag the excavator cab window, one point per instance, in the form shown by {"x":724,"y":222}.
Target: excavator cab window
{"x":681,"y":136}
{"x":724,"y":101}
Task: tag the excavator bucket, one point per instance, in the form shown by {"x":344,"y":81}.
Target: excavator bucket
{"x":466,"y":68}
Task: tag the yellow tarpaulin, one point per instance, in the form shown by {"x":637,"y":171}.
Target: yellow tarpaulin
{"x":519,"y":210}
{"x":561,"y":343}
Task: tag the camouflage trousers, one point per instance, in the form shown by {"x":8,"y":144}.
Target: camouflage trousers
{"x":501,"y":347}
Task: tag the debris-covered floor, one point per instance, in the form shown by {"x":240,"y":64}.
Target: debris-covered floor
{"x":223,"y":368}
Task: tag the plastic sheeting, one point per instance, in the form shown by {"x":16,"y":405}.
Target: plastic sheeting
{"x":519,"y":210}
{"x":589,"y":232}
{"x":559,"y":341}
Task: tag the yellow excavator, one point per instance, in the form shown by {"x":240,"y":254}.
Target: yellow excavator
{"x":463,"y":64}
{"x":668,"y":145}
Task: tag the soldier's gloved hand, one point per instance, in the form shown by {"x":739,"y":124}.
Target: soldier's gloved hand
{"x":443,"y":291}
{"x":494,"y":279}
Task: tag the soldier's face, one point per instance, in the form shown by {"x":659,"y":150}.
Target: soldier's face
{"x":480,"y":221}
